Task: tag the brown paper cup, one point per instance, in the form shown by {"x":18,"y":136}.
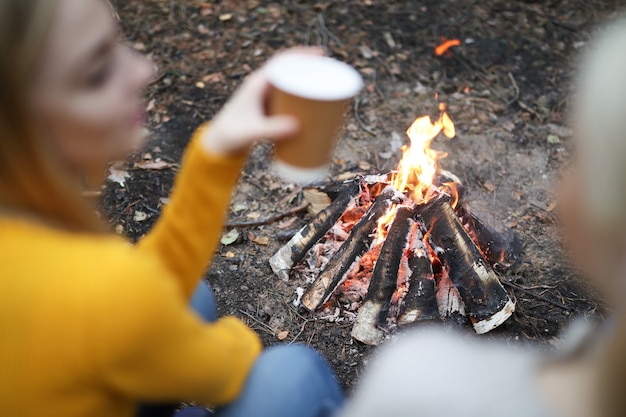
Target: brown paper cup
{"x":315,"y":90}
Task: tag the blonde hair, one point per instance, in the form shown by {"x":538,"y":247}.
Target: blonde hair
{"x":32,"y":183}
{"x":600,"y":122}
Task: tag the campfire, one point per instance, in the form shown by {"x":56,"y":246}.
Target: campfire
{"x":402,"y":248}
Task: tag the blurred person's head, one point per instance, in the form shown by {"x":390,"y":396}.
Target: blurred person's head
{"x":595,"y":203}
{"x":70,"y":102}
{"x":595,"y":207}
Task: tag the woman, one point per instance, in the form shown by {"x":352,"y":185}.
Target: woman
{"x":433,"y":374}
{"x":92,"y":326}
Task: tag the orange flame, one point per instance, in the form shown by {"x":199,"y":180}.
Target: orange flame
{"x":383,"y":222}
{"x":418,"y":165}
{"x":446,"y":45}
{"x":452,"y":189}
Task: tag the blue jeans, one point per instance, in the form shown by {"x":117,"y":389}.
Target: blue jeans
{"x":285,"y":381}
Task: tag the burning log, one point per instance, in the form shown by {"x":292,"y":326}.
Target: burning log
{"x":420,"y":301}
{"x":291,"y":253}
{"x":357,"y":243}
{"x":499,"y":248}
{"x":384,"y":282}
{"x":486,"y":301}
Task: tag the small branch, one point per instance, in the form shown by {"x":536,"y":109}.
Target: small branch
{"x":539,"y":297}
{"x":358,"y":118}
{"x":269,"y":220}
{"x":265,"y":327}
{"x":515,"y":89}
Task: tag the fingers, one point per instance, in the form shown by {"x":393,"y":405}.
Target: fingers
{"x":278,"y":127}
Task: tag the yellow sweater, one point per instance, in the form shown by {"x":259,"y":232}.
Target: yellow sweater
{"x":90,"y":325}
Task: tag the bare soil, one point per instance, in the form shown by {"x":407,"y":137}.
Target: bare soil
{"x":507,"y":88}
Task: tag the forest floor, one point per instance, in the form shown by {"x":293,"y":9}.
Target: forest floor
{"x":507,"y":88}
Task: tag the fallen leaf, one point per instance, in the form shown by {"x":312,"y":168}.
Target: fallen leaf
{"x":366,"y":52}
{"x":282,"y":335}
{"x":216,"y":77}
{"x":552,"y":206}
{"x":119,"y":176}
{"x":318,"y":199}
{"x":230,"y":237}
{"x":254,"y":215}
{"x":239,"y":207}
{"x":553,"y":139}
{"x":140,"y":216}
{"x":286,"y":223}
{"x":230,"y":255}
{"x":226,"y":16}
{"x":259,"y":240}
{"x":200,"y":84}
{"x":364,"y":165}
{"x":489,"y":187}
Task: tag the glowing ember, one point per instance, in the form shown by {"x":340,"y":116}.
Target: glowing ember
{"x":446,"y":45}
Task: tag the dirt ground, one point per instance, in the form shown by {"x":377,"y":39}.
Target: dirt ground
{"x":506,"y":86}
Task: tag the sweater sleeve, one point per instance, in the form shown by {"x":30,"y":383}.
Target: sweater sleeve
{"x":187,"y":234}
{"x":150,"y":346}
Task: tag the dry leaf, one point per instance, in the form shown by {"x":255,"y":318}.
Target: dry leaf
{"x":226,"y":16}
{"x":239,"y":207}
{"x":364,"y":165}
{"x":318,"y":200}
{"x":230,"y":237}
{"x":553,"y":139}
{"x":230,"y":255}
{"x":254,"y":215}
{"x":119,"y":176}
{"x":282,"y":335}
{"x":286,"y":223}
{"x":552,"y":206}
{"x":489,"y":187}
{"x":140,"y":216}
{"x":259,"y":240}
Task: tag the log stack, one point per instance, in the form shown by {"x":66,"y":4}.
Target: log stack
{"x":436,"y":262}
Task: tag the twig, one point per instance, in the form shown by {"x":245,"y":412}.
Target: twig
{"x":358,"y":118}
{"x":515,"y":89}
{"x":540,"y":297}
{"x":269,"y":220}
{"x":265,"y":327}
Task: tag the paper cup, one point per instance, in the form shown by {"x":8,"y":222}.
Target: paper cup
{"x":315,"y":90}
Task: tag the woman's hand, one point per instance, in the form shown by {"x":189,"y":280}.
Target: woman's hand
{"x":243,"y":120}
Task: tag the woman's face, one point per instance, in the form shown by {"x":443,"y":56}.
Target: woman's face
{"x":87,"y":93}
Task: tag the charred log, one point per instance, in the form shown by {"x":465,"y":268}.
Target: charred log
{"x":384,"y":281}
{"x":420,"y":301}
{"x":294,"y":250}
{"x":487,"y":303}
{"x":500,"y":249}
{"x":355,"y":246}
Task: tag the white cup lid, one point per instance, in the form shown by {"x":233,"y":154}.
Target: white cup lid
{"x":314,"y":77}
